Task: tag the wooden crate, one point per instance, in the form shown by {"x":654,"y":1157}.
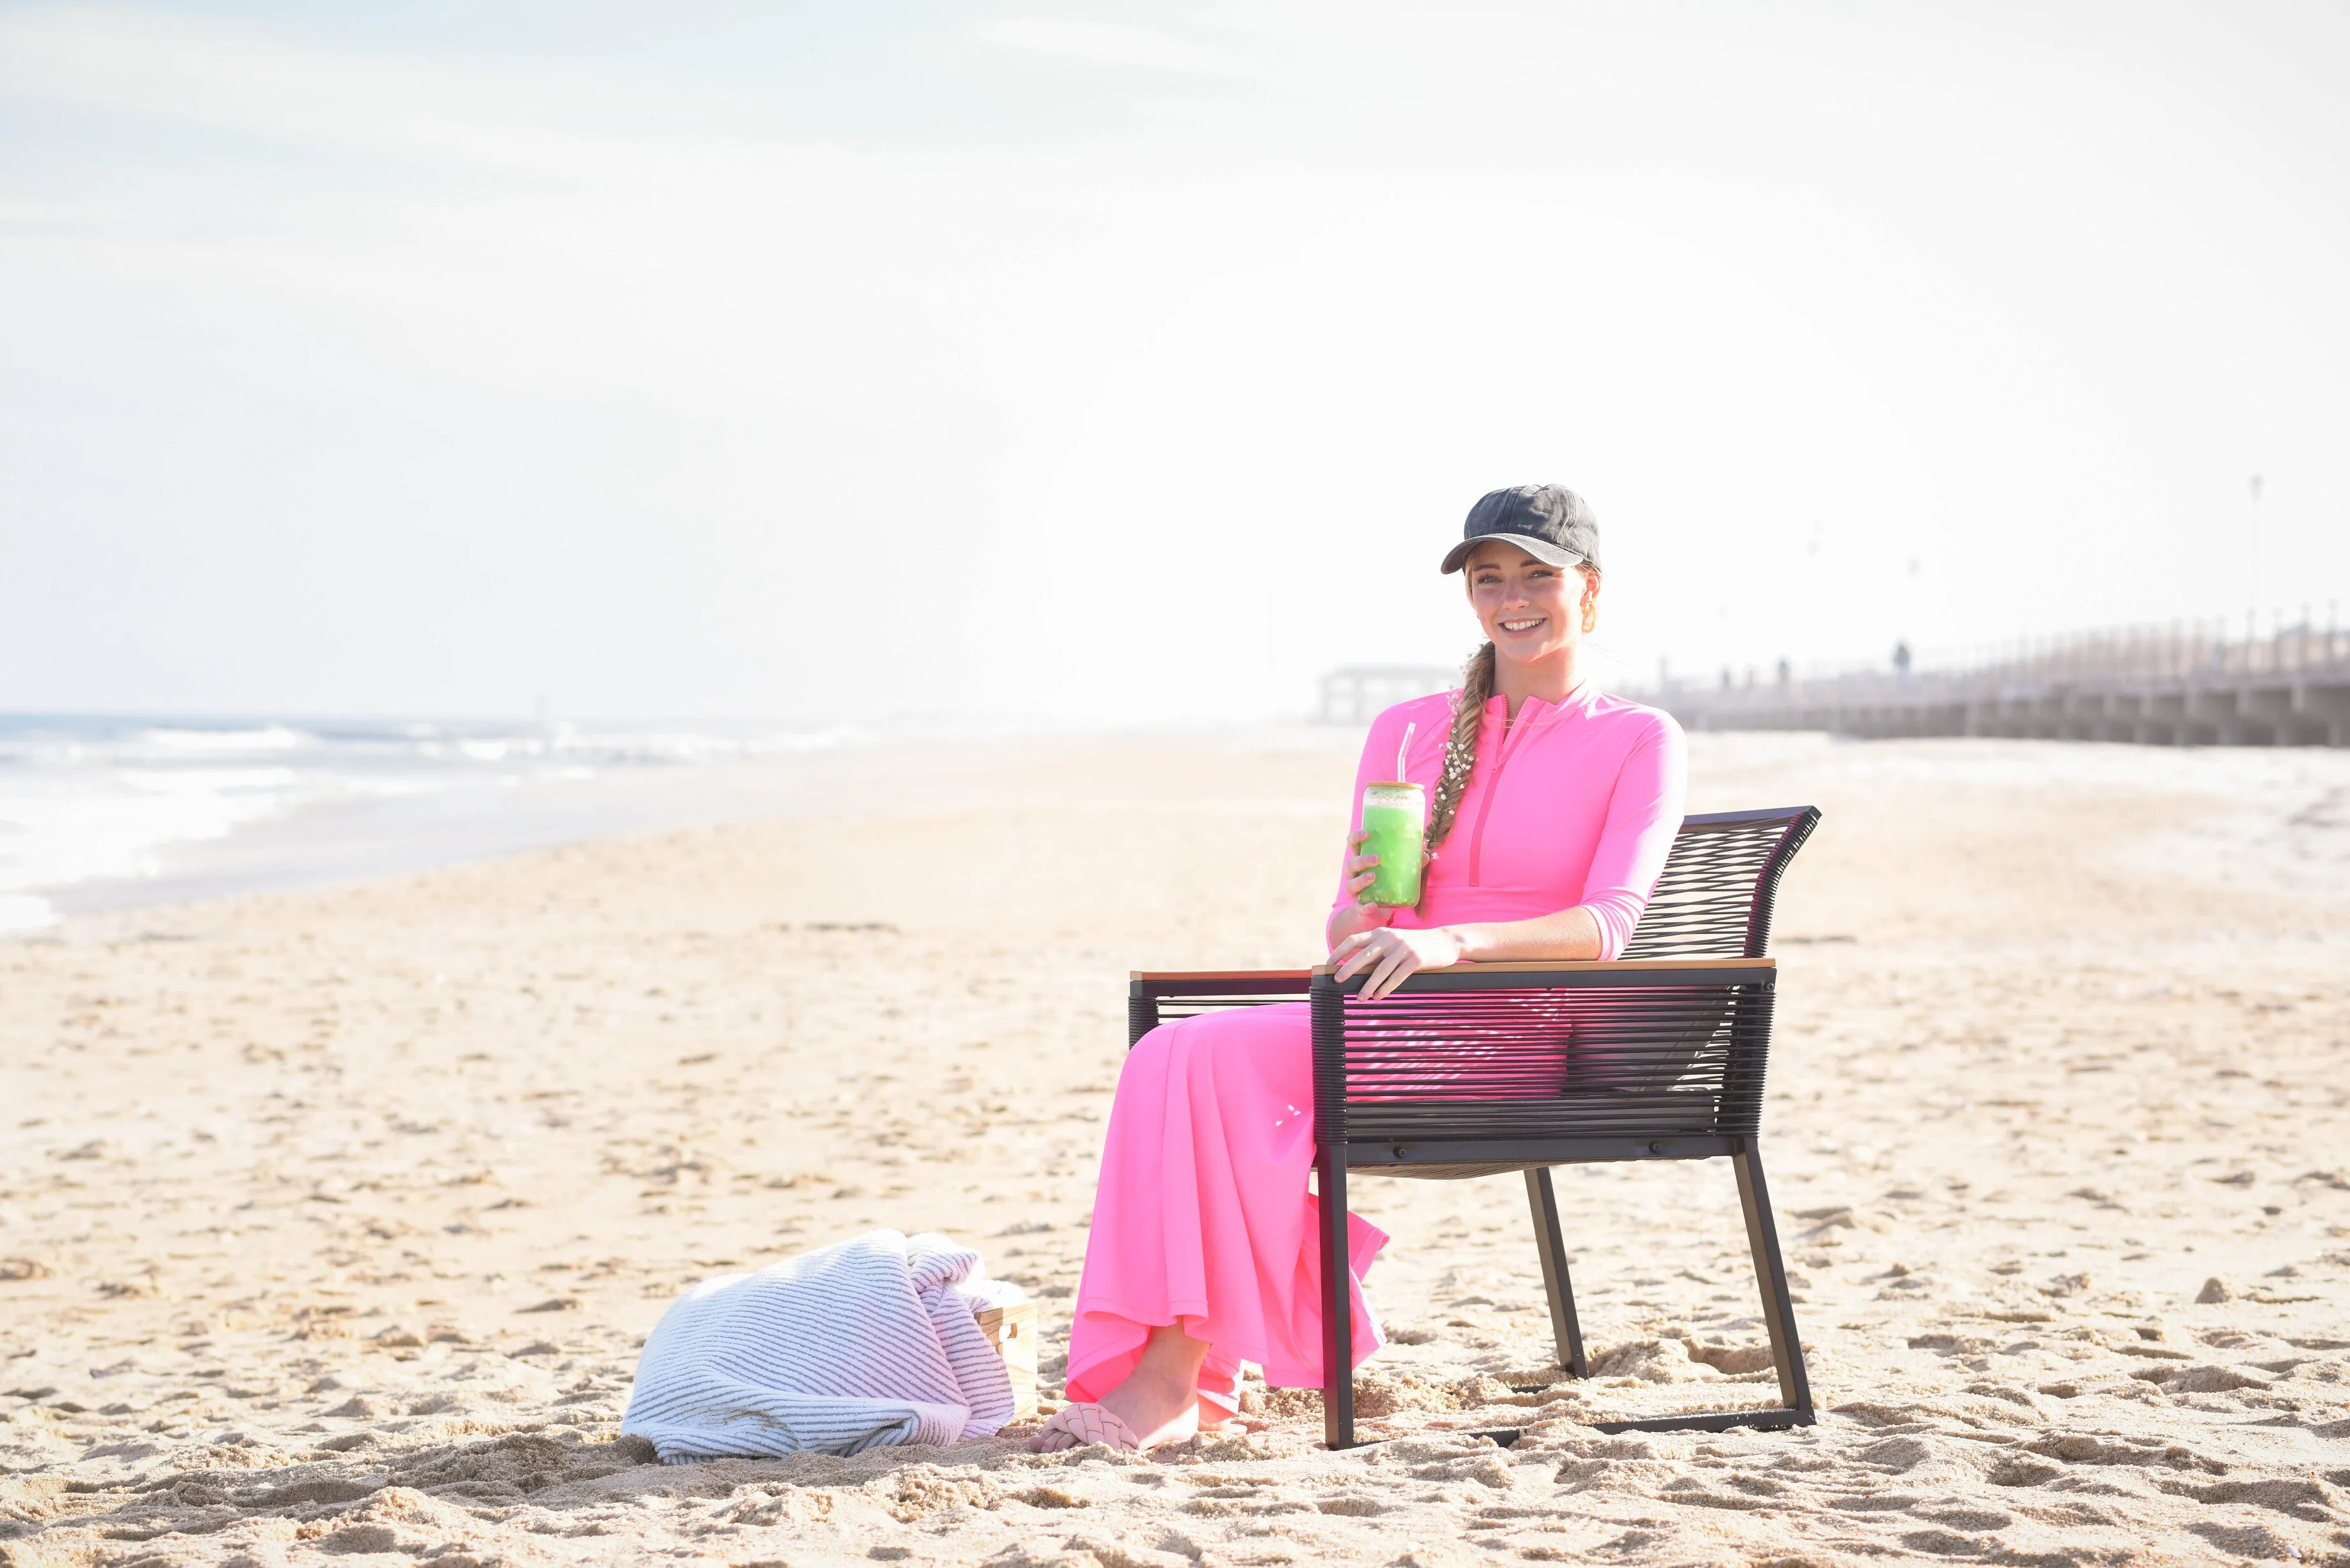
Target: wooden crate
{"x":1012,"y":1331}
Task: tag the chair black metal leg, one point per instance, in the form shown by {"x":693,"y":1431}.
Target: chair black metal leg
{"x":1338,"y":1300}
{"x":1770,"y":1272}
{"x":1565,"y":1329}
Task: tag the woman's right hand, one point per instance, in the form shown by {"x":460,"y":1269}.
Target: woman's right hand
{"x":1361,"y":915}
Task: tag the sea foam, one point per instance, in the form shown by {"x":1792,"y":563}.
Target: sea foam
{"x":113,"y":804}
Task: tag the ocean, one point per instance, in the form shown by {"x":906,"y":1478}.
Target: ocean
{"x":106,"y":811}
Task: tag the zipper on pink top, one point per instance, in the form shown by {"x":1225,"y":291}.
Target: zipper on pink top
{"x":1510,"y":733}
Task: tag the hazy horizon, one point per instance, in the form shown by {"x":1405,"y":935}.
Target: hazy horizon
{"x":1134,"y":361}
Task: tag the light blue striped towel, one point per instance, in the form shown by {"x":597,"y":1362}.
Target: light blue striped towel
{"x":867,"y":1342}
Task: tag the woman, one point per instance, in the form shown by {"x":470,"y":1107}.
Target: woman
{"x":1552,"y":809}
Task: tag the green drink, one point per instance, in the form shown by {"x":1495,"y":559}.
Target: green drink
{"x":1395,"y":818}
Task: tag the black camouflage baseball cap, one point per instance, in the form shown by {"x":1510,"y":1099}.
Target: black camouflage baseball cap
{"x":1548,"y":522}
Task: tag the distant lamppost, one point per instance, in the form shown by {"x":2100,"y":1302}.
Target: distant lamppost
{"x":2252,"y":566}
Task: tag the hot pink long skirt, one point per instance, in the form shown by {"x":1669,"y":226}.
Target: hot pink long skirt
{"x":1204,"y":1216}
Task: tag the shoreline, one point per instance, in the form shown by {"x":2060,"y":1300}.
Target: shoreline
{"x":461,"y":821}
{"x":349,"y":841}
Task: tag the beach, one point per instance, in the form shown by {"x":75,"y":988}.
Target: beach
{"x":331,"y":1220}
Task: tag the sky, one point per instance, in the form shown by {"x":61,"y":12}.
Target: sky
{"x":1135,"y":363}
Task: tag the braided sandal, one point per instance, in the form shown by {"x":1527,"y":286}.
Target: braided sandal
{"x":1092,"y":1424}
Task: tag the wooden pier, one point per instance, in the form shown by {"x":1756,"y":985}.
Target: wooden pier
{"x":2178,"y":685}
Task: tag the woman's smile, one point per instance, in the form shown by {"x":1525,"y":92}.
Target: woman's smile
{"x":1514,"y":626}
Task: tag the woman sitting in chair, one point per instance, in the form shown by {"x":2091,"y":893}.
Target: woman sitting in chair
{"x":1553,"y":806}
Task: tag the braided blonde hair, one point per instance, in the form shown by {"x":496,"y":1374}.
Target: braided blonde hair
{"x":1461,"y":746}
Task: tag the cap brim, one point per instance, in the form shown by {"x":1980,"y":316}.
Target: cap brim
{"x":1540,"y":549}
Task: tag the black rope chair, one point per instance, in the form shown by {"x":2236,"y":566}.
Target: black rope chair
{"x":1482,"y":1068}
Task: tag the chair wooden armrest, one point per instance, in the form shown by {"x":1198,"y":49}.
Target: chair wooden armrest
{"x":1576,"y":966}
{"x":1201,"y":990}
{"x":1175,"y":980}
{"x":1537,"y":974}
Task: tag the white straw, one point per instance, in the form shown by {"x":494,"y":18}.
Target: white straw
{"x":1400,"y":750}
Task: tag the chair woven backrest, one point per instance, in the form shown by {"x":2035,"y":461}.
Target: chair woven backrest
{"x":1714,"y":898}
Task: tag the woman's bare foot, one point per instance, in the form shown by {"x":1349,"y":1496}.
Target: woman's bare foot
{"x":1158,"y":1401}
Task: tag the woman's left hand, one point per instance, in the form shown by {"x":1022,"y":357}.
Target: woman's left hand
{"x":1391,"y":953}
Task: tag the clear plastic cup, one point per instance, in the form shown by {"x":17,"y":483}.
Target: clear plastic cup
{"x":1395,"y":819}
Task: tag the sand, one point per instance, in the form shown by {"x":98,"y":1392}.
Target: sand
{"x":332,"y":1219}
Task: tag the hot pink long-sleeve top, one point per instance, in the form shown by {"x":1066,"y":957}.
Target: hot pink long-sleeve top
{"x":1575,"y":805}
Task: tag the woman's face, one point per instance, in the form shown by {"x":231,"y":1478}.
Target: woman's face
{"x":1529,"y":609}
